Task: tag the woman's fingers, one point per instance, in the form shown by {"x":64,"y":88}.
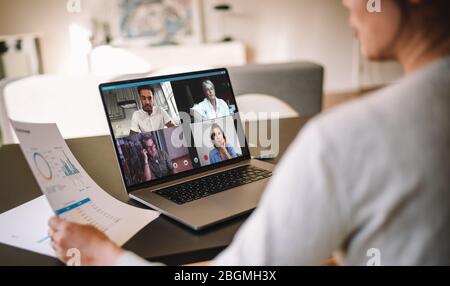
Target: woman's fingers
{"x":59,"y":231}
{"x":96,"y":246}
{"x":55,"y":223}
{"x":50,"y":233}
{"x":59,"y":244}
{"x":61,"y":253}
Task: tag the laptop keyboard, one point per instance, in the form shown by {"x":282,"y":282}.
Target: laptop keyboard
{"x":213,"y":184}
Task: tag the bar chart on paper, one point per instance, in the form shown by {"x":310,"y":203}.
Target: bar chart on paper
{"x":68,"y":167}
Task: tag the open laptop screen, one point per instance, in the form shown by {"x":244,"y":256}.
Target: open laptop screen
{"x":172,"y":126}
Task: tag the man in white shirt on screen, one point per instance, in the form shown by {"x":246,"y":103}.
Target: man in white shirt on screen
{"x":150,"y":117}
{"x":211,"y":107}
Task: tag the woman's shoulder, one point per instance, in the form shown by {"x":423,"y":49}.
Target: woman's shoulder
{"x":231,"y":151}
{"x":213,"y":154}
{"x":399,"y":102}
{"x":221,"y":101}
{"x":384,"y":113}
{"x":229,"y":147}
{"x":202,"y":103}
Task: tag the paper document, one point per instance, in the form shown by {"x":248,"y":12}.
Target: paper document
{"x":26,"y":226}
{"x":70,"y":191}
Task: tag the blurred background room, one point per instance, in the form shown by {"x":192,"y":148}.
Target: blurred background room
{"x":54,"y":53}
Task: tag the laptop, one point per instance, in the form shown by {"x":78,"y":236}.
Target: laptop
{"x":181,"y":146}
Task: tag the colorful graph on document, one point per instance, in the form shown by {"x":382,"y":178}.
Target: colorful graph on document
{"x":68,"y":168}
{"x":42,"y":166}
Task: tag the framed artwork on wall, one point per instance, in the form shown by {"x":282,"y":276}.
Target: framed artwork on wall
{"x":161,"y":22}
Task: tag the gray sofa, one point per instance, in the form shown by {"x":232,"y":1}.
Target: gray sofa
{"x":299,"y":84}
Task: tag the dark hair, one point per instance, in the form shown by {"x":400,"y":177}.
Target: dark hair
{"x":433,"y":16}
{"x":145,"y":87}
{"x":213,"y":135}
{"x":145,"y":138}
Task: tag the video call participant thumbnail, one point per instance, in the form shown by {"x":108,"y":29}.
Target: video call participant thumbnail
{"x":150,"y":117}
{"x":222,"y":150}
{"x":211,"y":107}
{"x":156,"y":162}
{"x":216,"y":140}
{"x":154,"y":155}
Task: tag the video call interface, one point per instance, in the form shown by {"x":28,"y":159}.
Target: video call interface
{"x":169,"y":126}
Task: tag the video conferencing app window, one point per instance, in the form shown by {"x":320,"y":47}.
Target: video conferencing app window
{"x":164,"y":127}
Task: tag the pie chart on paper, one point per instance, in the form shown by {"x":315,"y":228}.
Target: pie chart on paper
{"x":42,"y":166}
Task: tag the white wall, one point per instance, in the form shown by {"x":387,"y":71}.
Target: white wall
{"x":52,"y":20}
{"x":289,"y":30}
{"x":273,"y":30}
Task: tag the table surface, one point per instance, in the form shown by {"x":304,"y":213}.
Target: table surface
{"x":161,"y":240}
